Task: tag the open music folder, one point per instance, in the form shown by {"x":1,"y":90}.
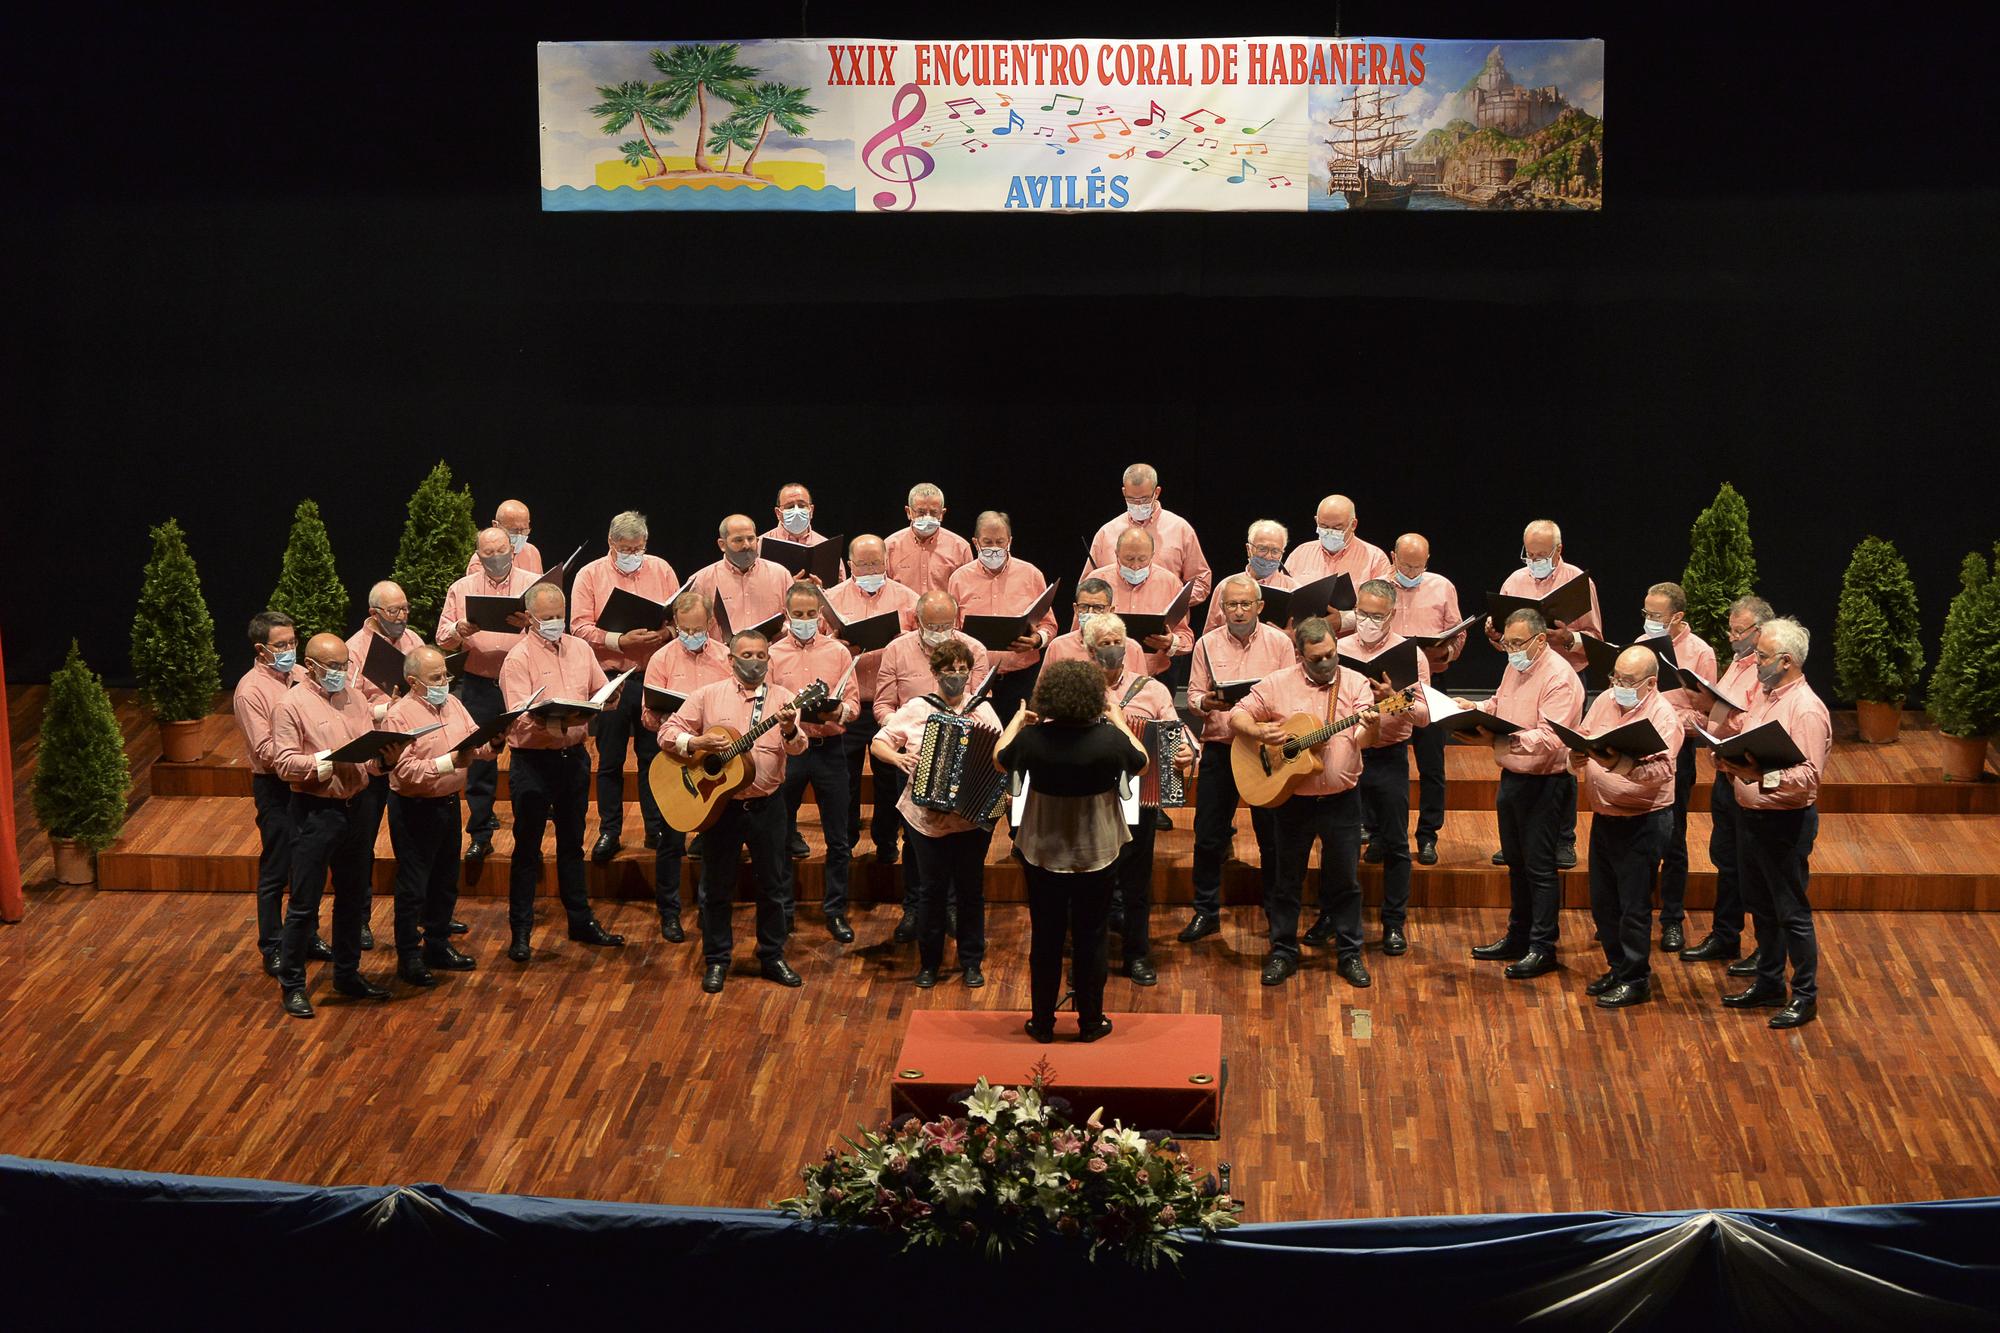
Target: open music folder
{"x":573,"y":710}
{"x":624,"y":612}
{"x":997,"y":633}
{"x":768,"y":628}
{"x":495,"y":727}
{"x":371,"y":743}
{"x":821,"y":560}
{"x":1767,"y":748}
{"x":1603,"y":656}
{"x":1567,"y":603}
{"x":1437,"y":640}
{"x":384,"y":666}
{"x":1637,"y":739}
{"x":1399,"y":662}
{"x":1143,"y":625}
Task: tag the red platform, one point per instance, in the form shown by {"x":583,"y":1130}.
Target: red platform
{"x":1155,"y":1071}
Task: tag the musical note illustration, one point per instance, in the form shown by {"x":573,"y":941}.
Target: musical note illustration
{"x":1006,"y":100}
{"x":1162,"y":152}
{"x":1060,"y":150}
{"x":1127,"y":153}
{"x":898,"y":163}
{"x":1157,"y":134}
{"x":974,"y":145}
{"x":1202,"y":111}
{"x":1045,"y":131}
{"x":1236,"y":148}
{"x":972,"y":102}
{"x":1261,"y":128}
{"x":1208,"y":143}
{"x":1246,"y":165}
{"x":1106,"y":109}
{"x":1276,"y":181}
{"x":1119,"y":121}
{"x":1190,"y":162}
{"x":1074,"y":97}
{"x":1013,"y":119}
{"x":1154,"y":111}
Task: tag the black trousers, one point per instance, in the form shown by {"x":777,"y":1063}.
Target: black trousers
{"x":823,"y":767}
{"x":328,"y":839}
{"x":1775,"y":853}
{"x":548,"y":785}
{"x":1674,"y":859}
{"x":1385,"y":807}
{"x":954,"y":870}
{"x":1215,"y":801}
{"x":273,"y":800}
{"x":667,"y":872}
{"x":1076,"y":905}
{"x":1566,"y":827}
{"x":1428,"y":743}
{"x":1335,"y":823}
{"x":1530,"y":809}
{"x":1624,"y":862}
{"x":482,"y":698}
{"x":378,"y":806}
{"x":1134,"y":868}
{"x":427,"y":833}
{"x":759,"y":824}
{"x":617,"y":729}
{"x":1724,"y":819}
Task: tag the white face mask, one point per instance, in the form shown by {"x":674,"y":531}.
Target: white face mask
{"x":1368,"y":631}
{"x":1625,"y":696}
{"x":1135,"y":577}
{"x":797,"y":519}
{"x":517,"y":540}
{"x":803,"y":630}
{"x":993,"y":556}
{"x":925,"y":525}
{"x":1539,"y":569}
{"x":931,"y":638}
{"x":629,"y":564}
{"x":1655,"y":626}
{"x":1333,"y":539}
{"x":870,"y":583}
{"x":1139,"y":512}
{"x":550,"y":629}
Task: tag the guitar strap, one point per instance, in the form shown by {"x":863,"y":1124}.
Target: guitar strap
{"x":757,"y":707}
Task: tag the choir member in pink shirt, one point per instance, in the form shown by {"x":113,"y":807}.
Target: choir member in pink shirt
{"x":274,"y":642}
{"x":688,"y":661}
{"x":866,"y":592}
{"x":753,"y":816}
{"x":1778,"y":822}
{"x":425,"y":824}
{"x":549,"y":773}
{"x":1265,"y":547}
{"x":1426,"y":604}
{"x":1137,"y":583}
{"x":330,"y":804}
{"x":997,"y":583}
{"x":1337,"y":550}
{"x":389,"y":621}
{"x":794,"y":512}
{"x":1724,"y":942}
{"x":1631,"y":807}
{"x":627,"y":566}
{"x":479,"y":688}
{"x":750,"y":588}
{"x":1323,"y":808}
{"x":1666,"y":616}
{"x":804,"y":654}
{"x":1385,"y":765}
{"x":512,"y":518}
{"x":1176,"y":549}
{"x":1093,"y":597}
{"x":923,"y":556}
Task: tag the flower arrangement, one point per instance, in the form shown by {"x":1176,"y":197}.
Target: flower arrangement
{"x":1013,"y":1169}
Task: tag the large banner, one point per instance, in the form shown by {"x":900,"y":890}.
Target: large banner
{"x":1276,"y":124}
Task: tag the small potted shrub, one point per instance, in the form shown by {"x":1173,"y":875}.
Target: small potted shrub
{"x":81,"y":775}
{"x":438,"y":541}
{"x":1965,"y":689}
{"x":173,"y":646}
{"x":309,"y":588}
{"x":1878,"y":653}
{"x":1721,"y":565}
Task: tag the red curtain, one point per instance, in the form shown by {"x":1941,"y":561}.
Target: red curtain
{"x":11,"y":903}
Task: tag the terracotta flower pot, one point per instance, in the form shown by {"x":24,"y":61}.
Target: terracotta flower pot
{"x":1879,"y":722}
{"x":1964,"y":757}
{"x":180,"y":742}
{"x":74,"y":862}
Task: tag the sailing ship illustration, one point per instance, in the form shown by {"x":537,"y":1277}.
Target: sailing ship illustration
{"x":1367,"y":166}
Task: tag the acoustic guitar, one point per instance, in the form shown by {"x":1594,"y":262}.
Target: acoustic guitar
{"x":690,"y":789}
{"x":1266,"y":775}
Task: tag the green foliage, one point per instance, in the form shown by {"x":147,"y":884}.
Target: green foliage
{"x":173,"y":636}
{"x":632,"y":100}
{"x":1721,"y":565}
{"x":779,"y":102}
{"x":1965,"y":688}
{"x":689,"y":71}
{"x":438,"y":539}
{"x":309,"y":588}
{"x":1878,"y":651}
{"x":81,"y":775}
{"x":726,"y":136}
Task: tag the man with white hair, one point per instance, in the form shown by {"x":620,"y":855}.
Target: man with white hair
{"x":479,"y":688}
{"x":1176,"y":549}
{"x":1747,"y":617}
{"x":923,"y":556}
{"x":1264,"y":547}
{"x":749,"y":588}
{"x":1426,"y":604}
{"x":511,"y":517}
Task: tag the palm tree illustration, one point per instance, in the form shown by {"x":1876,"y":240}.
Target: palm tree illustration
{"x":778,"y":102}
{"x":690,"y":73}
{"x":634,"y":101}
{"x":730,"y":135}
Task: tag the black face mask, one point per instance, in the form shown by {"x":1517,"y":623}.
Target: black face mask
{"x":749,"y":670}
{"x":952,"y":684}
{"x":1322,"y":671}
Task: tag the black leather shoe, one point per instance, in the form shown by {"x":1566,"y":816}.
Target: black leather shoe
{"x":1624,"y":994}
{"x":1162,"y":821}
{"x":885,"y":856}
{"x":1601,"y":985}
{"x":296,"y":1004}
{"x":798,"y":849}
{"x":367,"y":938}
{"x":1141,"y":972}
{"x":459,"y":927}
{"x":1095,"y":1030}
{"x":973,"y":978}
{"x":670,"y":930}
{"x":518,"y":949}
{"x":836,"y":926}
{"x":320,"y":951}
{"x":712,"y":977}
{"x":480,"y":848}
{"x":1671,"y":939}
{"x":1278,"y":967}
{"x":415,"y":973}
{"x":590,"y":932}
{"x":781,"y":972}
{"x":1758,"y":996}
{"x":1499,"y":858}
{"x":1565,"y":856}
{"x":1041,"y":1032}
{"x":926,"y":978}
{"x":448,"y":959}
{"x":271,"y":963}
{"x":1373,"y":853}
{"x":1200,"y":927}
{"x":1394,"y":943}
{"x":1533,"y":963}
{"x":1796,"y":1014}
{"x":1710,"y":950}
{"x":1320,"y":931}
{"x":604,"y":848}
{"x":696,"y":846}
{"x":1354,"y":971}
{"x":1745,"y":967}
{"x":652,"y":841}
{"x":906,"y":929}
{"x":1427,"y":851}
{"x":1501,"y":950}
{"x":360,"y":988}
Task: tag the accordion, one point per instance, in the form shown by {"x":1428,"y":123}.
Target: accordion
{"x":1162,"y":784}
{"x":955,"y":770}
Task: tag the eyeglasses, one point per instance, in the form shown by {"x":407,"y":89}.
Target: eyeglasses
{"x":1372,"y":617}
{"x":1269,"y":552}
{"x":1517,"y":645}
{"x":1628,"y":682}
{"x":1082,"y":607}
{"x":1769,"y":657}
{"x":1241,"y":606}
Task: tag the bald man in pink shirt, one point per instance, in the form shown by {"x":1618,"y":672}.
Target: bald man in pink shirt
{"x":479,"y":686}
{"x":1336,"y":549}
{"x":1426,"y":605}
{"x":748,"y":587}
{"x":998,"y":583}
{"x":1139,"y":583}
{"x":512,"y":518}
{"x":868,"y":591}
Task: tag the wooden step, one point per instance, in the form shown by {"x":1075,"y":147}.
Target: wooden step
{"x":1871,"y":861}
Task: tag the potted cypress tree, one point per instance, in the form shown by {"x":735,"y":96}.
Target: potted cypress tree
{"x":438,"y":540}
{"x":309,"y":588}
{"x":1721,"y":565}
{"x":1878,"y":653}
{"x":1965,"y":689}
{"x":173,"y":646}
{"x":81,"y":776}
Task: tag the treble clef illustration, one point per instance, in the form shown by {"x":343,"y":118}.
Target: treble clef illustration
{"x":899,"y":163}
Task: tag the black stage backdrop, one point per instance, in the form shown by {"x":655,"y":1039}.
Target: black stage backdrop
{"x":261,"y":258}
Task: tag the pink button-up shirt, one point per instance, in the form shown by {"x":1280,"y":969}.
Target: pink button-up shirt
{"x":906,"y":671}
{"x":1152,"y":597}
{"x":358,"y":644}
{"x":1070,"y":648}
{"x":852,"y":605}
{"x":778,"y":534}
{"x":1221,"y":656}
{"x":925,"y":564}
{"x":681,"y":672}
{"x":1650,"y":784}
{"x":1279,"y":579}
{"x":905,"y":731}
{"x":484,"y":649}
{"x":1522,"y":583}
{"x":728,"y":703}
{"x":527,"y":558}
{"x":654,"y":580}
{"x":1359,"y":560}
{"x":310,"y":720}
{"x":1008,"y":591}
{"x":1429,"y":608}
{"x":1289,"y":690}
{"x":1176,"y":550}
{"x":1740,"y":679}
{"x":1690,"y":653}
{"x":752,"y":596}
{"x":257,"y":697}
{"x":1153,"y":702}
{"x":1804,"y":717}
{"x":796,"y":665}
{"x":565,"y":669}
{"x":1394,"y":728}
{"x":416,"y":773}
{"x":1549,"y":688}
